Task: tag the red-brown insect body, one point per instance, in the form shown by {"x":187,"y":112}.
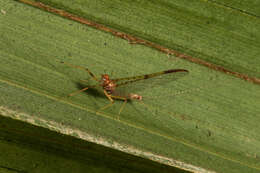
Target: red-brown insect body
{"x":114,"y":88}
{"x":110,"y":86}
{"x":107,"y":84}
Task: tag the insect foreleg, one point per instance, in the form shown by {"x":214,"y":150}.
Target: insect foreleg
{"x":76,"y":92}
{"x":84,"y":89}
{"x":82,"y":68}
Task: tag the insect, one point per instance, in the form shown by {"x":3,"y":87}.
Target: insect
{"x":125,"y":88}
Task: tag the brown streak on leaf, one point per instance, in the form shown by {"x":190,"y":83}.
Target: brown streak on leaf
{"x":135,"y":40}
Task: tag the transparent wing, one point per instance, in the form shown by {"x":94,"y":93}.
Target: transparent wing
{"x":133,"y":85}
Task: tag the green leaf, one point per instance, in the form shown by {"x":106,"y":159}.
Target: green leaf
{"x":205,"y":121}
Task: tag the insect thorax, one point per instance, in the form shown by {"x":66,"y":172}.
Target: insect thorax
{"x":109,"y":87}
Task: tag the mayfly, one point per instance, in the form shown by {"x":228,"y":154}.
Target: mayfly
{"x":125,"y":88}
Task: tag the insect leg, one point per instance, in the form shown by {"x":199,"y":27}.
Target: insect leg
{"x":123,"y":105}
{"x":79,"y":91}
{"x":108,"y":96}
{"x":82,"y":68}
{"x":110,"y":99}
{"x":76,"y":92}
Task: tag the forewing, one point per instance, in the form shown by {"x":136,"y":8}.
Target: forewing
{"x":133,"y":85}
